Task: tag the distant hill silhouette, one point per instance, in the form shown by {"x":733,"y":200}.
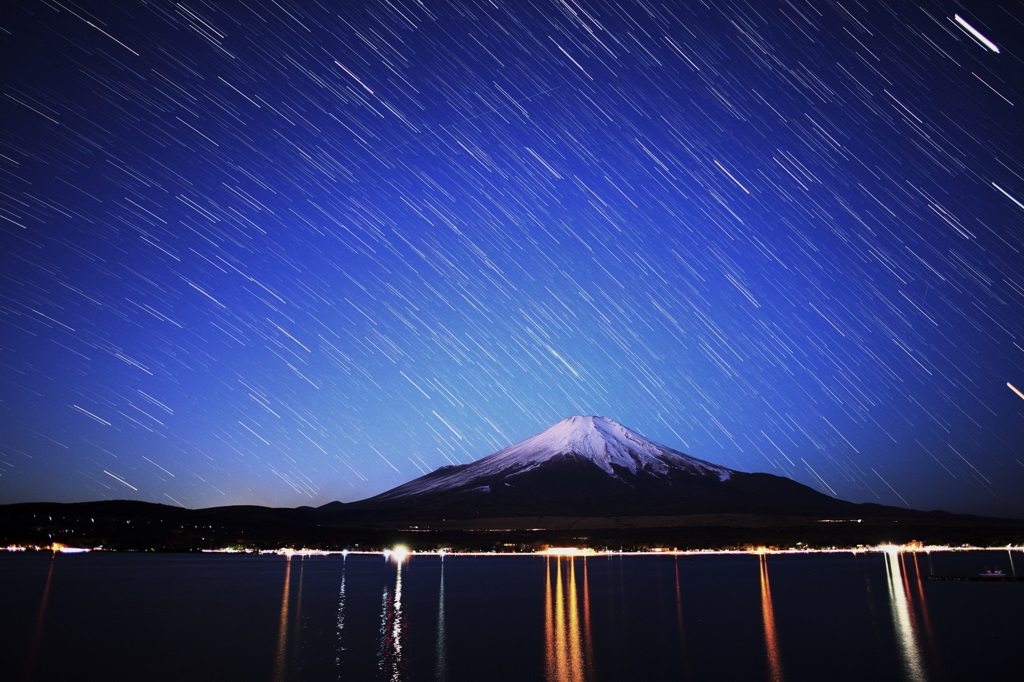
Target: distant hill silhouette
{"x":594,"y":466}
{"x":584,"y":480}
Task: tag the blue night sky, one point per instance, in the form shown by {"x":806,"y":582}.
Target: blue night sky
{"x":285,"y":252}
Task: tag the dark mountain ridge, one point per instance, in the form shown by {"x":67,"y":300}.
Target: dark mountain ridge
{"x":583,"y":480}
{"x":594,"y":466}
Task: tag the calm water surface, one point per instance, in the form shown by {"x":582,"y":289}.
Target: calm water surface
{"x":869,"y":616}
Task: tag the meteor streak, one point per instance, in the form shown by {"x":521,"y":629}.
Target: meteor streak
{"x":975,"y":33}
{"x":1015,"y":389}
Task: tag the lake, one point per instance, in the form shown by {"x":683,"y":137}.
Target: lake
{"x":837,"y":616}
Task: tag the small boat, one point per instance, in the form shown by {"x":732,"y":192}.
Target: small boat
{"x":992,"y":574}
{"x":989,"y":575}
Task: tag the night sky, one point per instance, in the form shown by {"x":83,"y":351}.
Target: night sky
{"x":285,"y":252}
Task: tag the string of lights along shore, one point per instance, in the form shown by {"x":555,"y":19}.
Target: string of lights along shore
{"x":284,"y":252}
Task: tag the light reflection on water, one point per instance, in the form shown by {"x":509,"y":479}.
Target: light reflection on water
{"x":470,"y":618}
{"x":568,"y":653}
{"x":588,"y":640}
{"x":926,"y":622}
{"x":564,"y":643}
{"x":392,"y":629}
{"x":339,"y":621}
{"x":441,"y":647}
{"x":903,"y":616}
{"x":37,"y":634}
{"x":289,"y":623}
{"x":281,"y":660}
{"x":768,"y":615}
{"x":679,"y":617}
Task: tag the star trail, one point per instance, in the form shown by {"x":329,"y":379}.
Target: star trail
{"x":285,"y":252}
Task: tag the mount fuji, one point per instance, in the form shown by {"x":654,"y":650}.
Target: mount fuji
{"x":594,"y":466}
{"x":585,"y":479}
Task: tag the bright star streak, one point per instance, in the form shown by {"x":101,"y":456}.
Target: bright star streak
{"x":976,"y":33}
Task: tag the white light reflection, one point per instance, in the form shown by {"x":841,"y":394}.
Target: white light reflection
{"x":295,"y":626}
{"x":396,"y":626}
{"x":389,"y":653}
{"x":340,"y":620}
{"x":441,"y":654}
{"x":903,"y":620}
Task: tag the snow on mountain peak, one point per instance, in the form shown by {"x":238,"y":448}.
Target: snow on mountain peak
{"x":603,"y":442}
{"x":606,"y":443}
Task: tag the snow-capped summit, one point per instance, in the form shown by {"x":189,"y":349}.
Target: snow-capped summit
{"x":593,"y":467}
{"x":603,"y":442}
{"x":615,"y":450}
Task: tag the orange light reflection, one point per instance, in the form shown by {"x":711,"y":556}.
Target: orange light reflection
{"x":768,"y":615}
{"x":575,"y":655}
{"x":281,"y":663}
{"x":588,"y":640}
{"x":37,"y":635}
{"x":550,"y":664}
{"x":922,"y":601}
{"x":679,"y":621}
{"x":564,"y":641}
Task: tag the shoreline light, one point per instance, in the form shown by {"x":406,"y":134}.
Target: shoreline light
{"x":399,"y":554}
{"x":567,"y":551}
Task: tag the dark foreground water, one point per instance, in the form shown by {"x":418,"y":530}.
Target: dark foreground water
{"x":872,"y":616}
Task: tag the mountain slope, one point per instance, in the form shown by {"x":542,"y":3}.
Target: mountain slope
{"x":589,"y":466}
